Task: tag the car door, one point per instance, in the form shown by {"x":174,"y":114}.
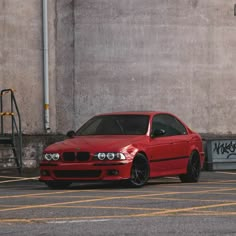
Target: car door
{"x":180,"y":142}
{"x":169,"y":151}
{"x":160,"y":149}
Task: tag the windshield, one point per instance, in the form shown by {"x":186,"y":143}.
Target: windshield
{"x":115,"y":125}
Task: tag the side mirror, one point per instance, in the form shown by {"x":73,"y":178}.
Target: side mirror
{"x":70,"y":134}
{"x":158,"y":132}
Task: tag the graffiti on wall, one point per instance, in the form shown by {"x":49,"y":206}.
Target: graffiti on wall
{"x":224,"y":149}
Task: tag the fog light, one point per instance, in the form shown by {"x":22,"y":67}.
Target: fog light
{"x":112,"y":172}
{"x":44,"y":173}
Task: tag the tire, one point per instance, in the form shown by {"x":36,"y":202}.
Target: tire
{"x":57,"y":184}
{"x":139,"y":171}
{"x":193,"y":169}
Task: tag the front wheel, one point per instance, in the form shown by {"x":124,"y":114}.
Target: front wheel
{"x":193,"y":169}
{"x":139,"y":172}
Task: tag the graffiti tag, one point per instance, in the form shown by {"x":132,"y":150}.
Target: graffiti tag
{"x":227,"y":148}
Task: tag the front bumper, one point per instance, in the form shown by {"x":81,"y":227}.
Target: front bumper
{"x":60,"y":171}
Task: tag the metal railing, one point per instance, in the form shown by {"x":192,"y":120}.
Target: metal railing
{"x":12,"y":135}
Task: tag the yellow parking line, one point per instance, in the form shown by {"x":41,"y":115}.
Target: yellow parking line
{"x":17,"y":180}
{"x":151,"y":214}
{"x":110,"y":207}
{"x":227,"y":173}
{"x":215,"y":190}
{"x":220,"y":181}
{"x":187,"y":199}
{"x":111,"y":198}
{"x":211,"y":213}
{"x":197,"y":187}
{"x":10,"y":177}
{"x":225,"y":193}
{"x":43,"y":194}
{"x":193,"y":208}
{"x":76,"y":202}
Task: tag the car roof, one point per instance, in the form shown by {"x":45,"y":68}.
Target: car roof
{"x":134,"y":113}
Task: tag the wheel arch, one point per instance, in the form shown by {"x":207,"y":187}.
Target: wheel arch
{"x":197,"y":152}
{"x":141,"y":172}
{"x":193,"y":168}
{"x":193,"y":150}
{"x":143,"y":153}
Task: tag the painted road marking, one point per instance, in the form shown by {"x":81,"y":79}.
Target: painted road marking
{"x":187,"y":211}
{"x":233,"y":181}
{"x":15,"y":177}
{"x":17,"y":180}
{"x":82,"y":201}
{"x":188,"y":199}
{"x":110,"y":207}
{"x":132,"y":208}
{"x":228,"y":173}
{"x":76,"y":221}
{"x":43,"y":194}
{"x":10,"y":177}
{"x":151,"y":214}
{"x":214,"y":189}
{"x":111,"y":198}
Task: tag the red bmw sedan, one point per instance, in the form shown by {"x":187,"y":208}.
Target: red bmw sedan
{"x":131,"y":147}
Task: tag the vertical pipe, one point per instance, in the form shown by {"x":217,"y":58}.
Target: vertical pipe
{"x":45,"y":67}
{"x":1,"y":110}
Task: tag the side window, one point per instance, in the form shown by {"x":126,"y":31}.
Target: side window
{"x":178,"y":126}
{"x":170,"y":124}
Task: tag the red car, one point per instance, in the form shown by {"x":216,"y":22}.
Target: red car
{"x":127,"y":146}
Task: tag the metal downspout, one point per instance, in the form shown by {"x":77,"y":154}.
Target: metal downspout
{"x":45,"y":67}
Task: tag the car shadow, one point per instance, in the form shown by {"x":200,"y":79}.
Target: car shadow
{"x":117,"y":185}
{"x":36,"y":185}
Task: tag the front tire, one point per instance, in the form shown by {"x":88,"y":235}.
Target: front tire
{"x":193,"y":169}
{"x":139,"y":171}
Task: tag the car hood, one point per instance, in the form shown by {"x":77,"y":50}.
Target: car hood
{"x":95,"y":143}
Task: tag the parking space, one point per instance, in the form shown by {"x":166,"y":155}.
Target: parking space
{"x":208,"y":206}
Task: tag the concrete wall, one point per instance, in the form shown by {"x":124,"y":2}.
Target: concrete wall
{"x":111,"y":55}
{"x":21,"y":53}
{"x":176,"y":56}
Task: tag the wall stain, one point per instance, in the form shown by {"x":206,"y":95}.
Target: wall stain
{"x":194,"y":3}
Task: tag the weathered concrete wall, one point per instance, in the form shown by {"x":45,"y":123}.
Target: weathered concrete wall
{"x":111,"y":55}
{"x":65,"y":65}
{"x":177,"y":56}
{"x":21,"y":54}
{"x":33,"y":146}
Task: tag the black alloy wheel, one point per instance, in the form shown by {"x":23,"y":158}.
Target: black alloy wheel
{"x":193,"y":169}
{"x":139,"y":172}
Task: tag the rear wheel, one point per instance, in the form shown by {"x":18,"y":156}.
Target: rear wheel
{"x":139,"y":172}
{"x":57,"y":184}
{"x":193,"y":169}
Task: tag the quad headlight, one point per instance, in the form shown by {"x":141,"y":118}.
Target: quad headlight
{"x":51,"y":156}
{"x":109,"y":156}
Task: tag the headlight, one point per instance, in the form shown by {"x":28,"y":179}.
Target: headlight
{"x":120,"y":156}
{"x":55,"y":156}
{"x":51,"y":156}
{"x":109,"y":156}
{"x":101,"y":156}
{"x":48,"y":157}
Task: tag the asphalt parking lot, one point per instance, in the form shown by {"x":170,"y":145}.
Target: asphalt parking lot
{"x":163,"y":207}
